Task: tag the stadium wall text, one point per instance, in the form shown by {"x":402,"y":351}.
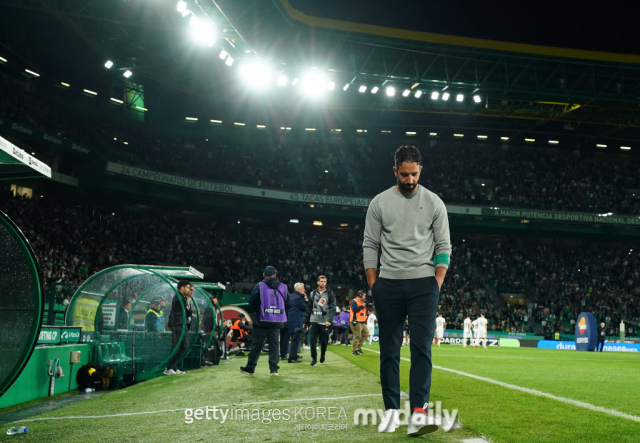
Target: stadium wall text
{"x":30,"y":132}
{"x":358,"y":202}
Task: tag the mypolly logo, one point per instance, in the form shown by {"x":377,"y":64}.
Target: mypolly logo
{"x":438,"y":416}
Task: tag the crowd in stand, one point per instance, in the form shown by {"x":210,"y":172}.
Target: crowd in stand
{"x":74,"y":242}
{"x":522,"y":177}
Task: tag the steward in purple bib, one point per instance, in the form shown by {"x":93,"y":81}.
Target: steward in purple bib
{"x":272,"y":302}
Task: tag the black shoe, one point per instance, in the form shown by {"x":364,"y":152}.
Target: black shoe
{"x":322,"y":358}
{"x":294,"y":361}
{"x":360,"y":352}
{"x":246,"y":371}
{"x":355,"y":353}
{"x":314,"y":363}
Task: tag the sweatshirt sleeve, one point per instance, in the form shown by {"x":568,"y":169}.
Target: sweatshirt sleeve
{"x":372,"y":233}
{"x":441,"y":238}
{"x":331,"y":310}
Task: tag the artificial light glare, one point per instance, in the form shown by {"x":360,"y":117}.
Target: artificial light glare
{"x":459,"y":97}
{"x":435,"y":95}
{"x":127,"y":74}
{"x":477,"y":99}
{"x":374,"y":89}
{"x":445,"y":96}
{"x":391,"y":91}
{"x":406,"y":92}
{"x":256,"y":74}
{"x":108,"y":64}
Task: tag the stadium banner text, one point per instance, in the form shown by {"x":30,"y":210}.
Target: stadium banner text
{"x":608,"y":346}
{"x":497,"y":335}
{"x":532,"y":214}
{"x":37,"y":134}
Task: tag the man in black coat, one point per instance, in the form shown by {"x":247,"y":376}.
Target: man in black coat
{"x":123,"y":315}
{"x":181,"y":304}
{"x":602,"y":335}
{"x":295,"y":317}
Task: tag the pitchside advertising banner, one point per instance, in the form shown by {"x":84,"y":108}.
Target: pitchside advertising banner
{"x":54,"y":140}
{"x":528,"y":214}
{"x":586,"y":332}
{"x":570,"y":345}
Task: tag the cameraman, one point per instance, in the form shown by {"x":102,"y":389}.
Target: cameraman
{"x":297,"y":307}
{"x":358,"y":320}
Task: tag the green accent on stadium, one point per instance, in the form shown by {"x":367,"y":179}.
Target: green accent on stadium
{"x":509,"y":343}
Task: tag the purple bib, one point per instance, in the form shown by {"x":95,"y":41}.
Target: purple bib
{"x":272,"y":303}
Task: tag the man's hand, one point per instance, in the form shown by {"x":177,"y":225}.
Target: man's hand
{"x":327,"y":324}
{"x":440,"y":273}
{"x":303,"y":326}
{"x":371,"y":277}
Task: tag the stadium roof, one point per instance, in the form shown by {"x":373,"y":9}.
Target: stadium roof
{"x":514,"y":59}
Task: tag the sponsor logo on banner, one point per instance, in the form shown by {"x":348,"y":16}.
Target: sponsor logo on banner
{"x":22,"y":129}
{"x":460,"y":341}
{"x":586,"y":332}
{"x":51,"y":139}
{"x":582,"y":326}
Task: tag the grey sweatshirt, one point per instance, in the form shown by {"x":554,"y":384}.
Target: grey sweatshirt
{"x":413,"y":232}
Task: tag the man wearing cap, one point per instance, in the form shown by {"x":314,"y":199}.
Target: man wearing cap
{"x":154,"y":320}
{"x":321,"y":308}
{"x":268,"y":299}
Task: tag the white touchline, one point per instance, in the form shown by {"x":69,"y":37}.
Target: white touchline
{"x":535,"y":392}
{"x":229,"y":405}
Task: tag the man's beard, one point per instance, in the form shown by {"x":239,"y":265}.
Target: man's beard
{"x":406,"y":187}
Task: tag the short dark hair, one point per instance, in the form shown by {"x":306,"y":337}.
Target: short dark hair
{"x":408,"y":154}
{"x":183,"y":283}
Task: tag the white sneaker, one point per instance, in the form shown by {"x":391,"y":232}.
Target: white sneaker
{"x":179,"y":372}
{"x":169,"y":372}
{"x":390,"y":421}
{"x":419,"y":425}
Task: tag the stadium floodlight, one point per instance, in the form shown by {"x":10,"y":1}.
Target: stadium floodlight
{"x":625,"y":148}
{"x":385,"y":131}
{"x":482,"y":137}
{"x":362,"y":89}
{"x":331,"y":86}
{"x":191,"y":119}
{"x":445,"y":96}
{"x":391,"y":91}
{"x":477,"y":99}
{"x":504,"y":138}
{"x":287,"y":128}
{"x":458,"y":135}
{"x":326,"y":171}
{"x":413,"y":86}
{"x":530,"y":140}
{"x":182,"y":6}
{"x":374,"y":89}
{"x":317,"y":223}
{"x":336,"y":130}
{"x":141,"y":108}
{"x":116,"y":100}
{"x":435,"y":95}
{"x":67,"y":85}
{"x":108,"y":64}
{"x":127,"y":74}
{"x":406,"y":92}
{"x":483,"y":184}
{"x":411,"y":133}
{"x":229,"y":61}
{"x":35,"y":74}
{"x":282,"y":80}
{"x":418,"y":94}
{"x":433,"y":134}
{"x":599,"y":145}
{"x":256,"y":74}
{"x":238,"y":124}
{"x":313,"y":84}
{"x":345,"y":87}
{"x":261,"y":127}
{"x":360,"y":130}
{"x":344,"y":225}
{"x":459,"y":97}
{"x":3,"y":60}
{"x":202,"y":31}
{"x":294,"y":220}
{"x":553,"y":142}
{"x":126,"y":143}
{"x":309,"y":129}
{"x":89,"y":92}
{"x":223,"y":54}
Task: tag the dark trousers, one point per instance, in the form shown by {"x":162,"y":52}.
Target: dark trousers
{"x":318,"y":331}
{"x":183,"y":346}
{"x":259,"y":336}
{"x":600,"y":345}
{"x":295,"y":344}
{"x":284,"y":342}
{"x":394,"y":301}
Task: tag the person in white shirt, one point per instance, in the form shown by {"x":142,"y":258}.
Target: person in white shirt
{"x":372,"y":322}
{"x":466,"y":331}
{"x":480,"y":331}
{"x":441,"y":325}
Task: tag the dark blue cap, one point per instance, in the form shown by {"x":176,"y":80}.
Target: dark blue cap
{"x":270,"y":271}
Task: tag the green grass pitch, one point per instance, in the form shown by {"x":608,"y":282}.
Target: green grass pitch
{"x":155,"y":410}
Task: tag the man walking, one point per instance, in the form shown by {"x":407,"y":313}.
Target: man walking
{"x":181,"y":305}
{"x":410,"y":225}
{"x":320,"y":309}
{"x":268,"y":299}
{"x":358,"y":322}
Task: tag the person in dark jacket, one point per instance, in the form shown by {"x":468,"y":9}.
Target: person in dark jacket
{"x":269,"y":300}
{"x":123,"y":314}
{"x":295,"y":317}
{"x":602,"y":335}
{"x":181,"y":305}
{"x":321,"y":308}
